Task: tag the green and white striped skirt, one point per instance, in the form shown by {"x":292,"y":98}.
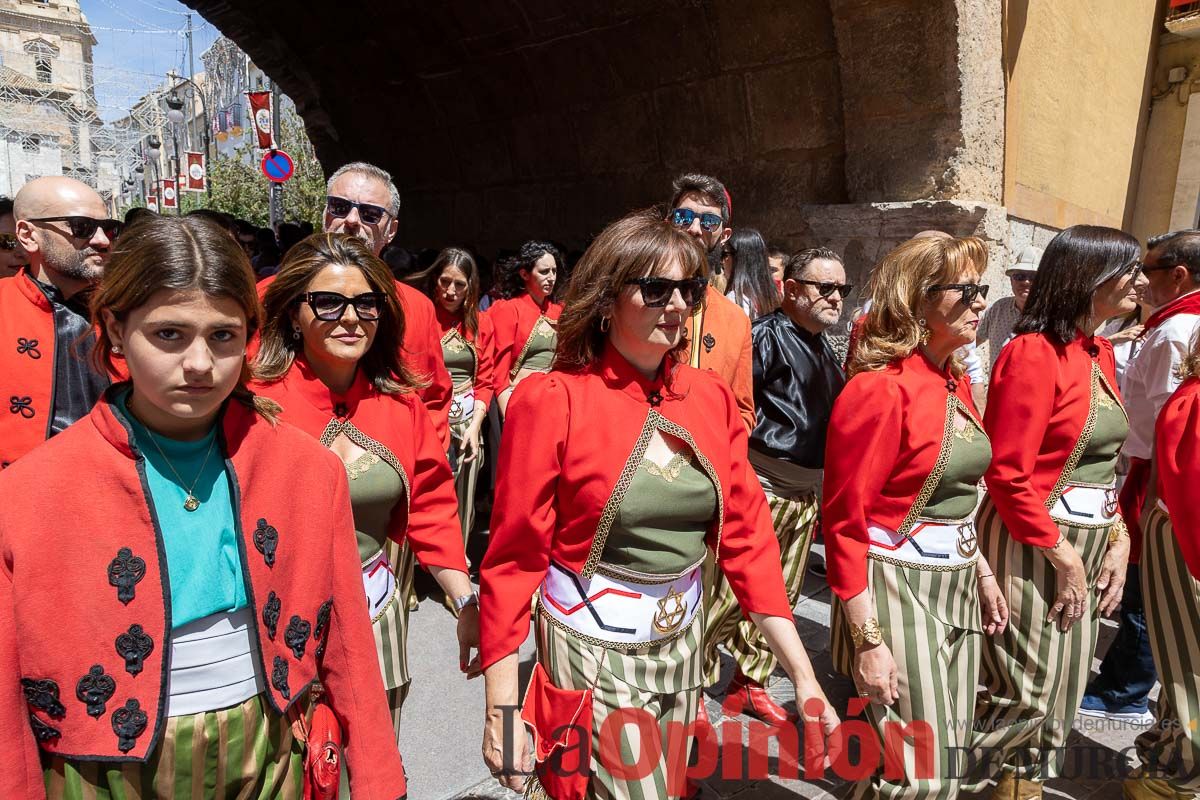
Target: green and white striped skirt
{"x":1034,"y":675}
{"x":245,"y":752}
{"x":795,"y":521}
{"x":664,"y":681}
{"x":1171,"y":748}
{"x":390,"y":626}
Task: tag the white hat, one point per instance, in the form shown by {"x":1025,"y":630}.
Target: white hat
{"x":1028,"y":260}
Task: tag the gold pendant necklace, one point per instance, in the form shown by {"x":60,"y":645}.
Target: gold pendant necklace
{"x":191,"y":503}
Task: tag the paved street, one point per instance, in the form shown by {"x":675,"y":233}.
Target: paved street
{"x":444,"y":717}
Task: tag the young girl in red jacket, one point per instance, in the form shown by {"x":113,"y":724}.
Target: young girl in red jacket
{"x":178,"y":568}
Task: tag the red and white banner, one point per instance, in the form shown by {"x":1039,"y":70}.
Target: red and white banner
{"x":152,"y":202}
{"x":260,"y":113}
{"x":169,"y":198}
{"x":196,"y":172}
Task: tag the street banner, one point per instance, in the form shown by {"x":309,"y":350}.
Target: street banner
{"x":196,"y":172}
{"x":260,"y":112}
{"x":152,"y":202}
{"x":169,"y":199}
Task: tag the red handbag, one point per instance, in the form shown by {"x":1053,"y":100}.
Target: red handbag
{"x":322,"y":737}
{"x":561,"y":723}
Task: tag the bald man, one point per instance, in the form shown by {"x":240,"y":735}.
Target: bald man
{"x":47,"y":381}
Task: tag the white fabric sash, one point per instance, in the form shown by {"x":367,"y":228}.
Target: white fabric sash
{"x":1089,"y":506}
{"x":213,"y":664}
{"x":379,"y":583}
{"x":929,"y":543}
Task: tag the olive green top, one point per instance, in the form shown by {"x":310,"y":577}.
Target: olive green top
{"x":957,"y":493}
{"x":662,"y":519}
{"x":375,"y":488}
{"x":1098,"y":464}
{"x":542,"y":341}
{"x":460,"y":359}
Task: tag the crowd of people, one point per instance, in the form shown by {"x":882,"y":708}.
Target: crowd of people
{"x":215,"y":452}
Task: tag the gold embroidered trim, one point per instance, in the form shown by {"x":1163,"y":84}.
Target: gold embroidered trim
{"x":654,"y":421}
{"x":624,"y":647}
{"x":670,"y":472}
{"x":939,"y":468}
{"x":361,"y":465}
{"x":1089,"y":427}
{"x":541,"y":324}
{"x":1112,"y":394}
{"x":459,"y":388}
{"x":454,"y":341}
{"x":337,"y":428}
{"x":927,"y":567}
{"x":643,"y":578}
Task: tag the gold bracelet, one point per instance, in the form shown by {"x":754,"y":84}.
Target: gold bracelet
{"x":1117,"y":530}
{"x":869,"y":632}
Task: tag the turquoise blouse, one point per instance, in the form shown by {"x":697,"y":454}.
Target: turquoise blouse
{"x":203,"y":563}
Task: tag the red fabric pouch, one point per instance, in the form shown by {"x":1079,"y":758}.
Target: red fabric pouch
{"x":561,"y":723}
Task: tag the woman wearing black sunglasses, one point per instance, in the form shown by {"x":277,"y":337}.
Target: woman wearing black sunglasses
{"x":525,"y":321}
{"x":330,"y":356}
{"x":619,"y":470}
{"x":905,"y":451}
{"x":1052,"y":529}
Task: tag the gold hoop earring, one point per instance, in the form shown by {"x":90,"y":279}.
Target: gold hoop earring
{"x":924,"y":331}
{"x":605,"y":324}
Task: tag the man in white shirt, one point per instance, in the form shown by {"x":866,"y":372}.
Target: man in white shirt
{"x":1172,"y":288}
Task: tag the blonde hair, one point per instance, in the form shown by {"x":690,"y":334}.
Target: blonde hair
{"x":1189,"y":367}
{"x":891,"y":330}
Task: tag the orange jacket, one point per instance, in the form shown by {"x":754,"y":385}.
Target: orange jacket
{"x":571,"y":441}
{"x":513,"y":321}
{"x":75,"y":583}
{"x":26,"y":367}
{"x":723,"y":346}
{"x":428,"y":516}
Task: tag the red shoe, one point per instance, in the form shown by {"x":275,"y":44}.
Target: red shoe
{"x":745,"y":696}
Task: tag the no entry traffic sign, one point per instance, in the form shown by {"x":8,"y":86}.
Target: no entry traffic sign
{"x":277,"y":166}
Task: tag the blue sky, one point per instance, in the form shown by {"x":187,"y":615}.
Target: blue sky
{"x":138,"y":42}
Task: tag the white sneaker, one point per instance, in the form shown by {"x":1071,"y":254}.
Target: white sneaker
{"x":1141,"y":718}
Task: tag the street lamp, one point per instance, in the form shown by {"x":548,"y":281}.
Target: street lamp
{"x":174,"y":107}
{"x":153,"y":148}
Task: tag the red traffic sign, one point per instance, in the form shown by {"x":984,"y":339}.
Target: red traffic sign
{"x":277,"y":166}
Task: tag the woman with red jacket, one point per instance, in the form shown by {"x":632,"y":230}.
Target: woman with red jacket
{"x":208,"y":582}
{"x":467,"y":348}
{"x":619,"y":470}
{"x":906,"y":452}
{"x":525,"y":322}
{"x":1052,"y":529}
{"x":1170,"y":750}
{"x":329,"y":357}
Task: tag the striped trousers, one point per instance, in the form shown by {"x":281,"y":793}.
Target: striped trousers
{"x":931,"y":623}
{"x":391,"y":632}
{"x":245,"y":752}
{"x":795,"y":522}
{"x":1034,"y":675}
{"x":466,"y":478}
{"x":1171,"y":749}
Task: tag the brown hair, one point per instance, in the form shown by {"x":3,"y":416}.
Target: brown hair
{"x":427,"y":282}
{"x":638,"y":244}
{"x":278,"y":349}
{"x":899,"y":285}
{"x":178,"y":253}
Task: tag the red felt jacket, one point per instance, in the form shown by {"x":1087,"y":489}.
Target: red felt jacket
{"x":723,"y":346}
{"x":567,"y":442}
{"x":482,"y":344}
{"x":26,"y":367}
{"x":885,"y":436}
{"x":77,"y":584}
{"x":513,"y":321}
{"x":1177,"y":455}
{"x":428,"y":519}
{"x":1038,"y":404}
{"x":422,"y":352}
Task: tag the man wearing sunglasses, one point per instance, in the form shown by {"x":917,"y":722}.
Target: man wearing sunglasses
{"x":47,"y":381}
{"x":797,"y":377}
{"x":718,"y":331}
{"x":12,"y":255}
{"x":362,"y":201}
{"x":996,"y":325}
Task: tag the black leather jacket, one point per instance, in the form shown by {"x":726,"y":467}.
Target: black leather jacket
{"x":796,"y":379}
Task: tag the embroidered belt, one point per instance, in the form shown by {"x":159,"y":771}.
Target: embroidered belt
{"x":1085,"y":506}
{"x":930,"y":544}
{"x":379,"y":583}
{"x":612,"y":612}
{"x":463,"y":405}
{"x":213,"y":664}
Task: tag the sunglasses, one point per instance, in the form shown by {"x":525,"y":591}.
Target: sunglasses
{"x":969,"y":290}
{"x":826,"y":290}
{"x":85,"y":227}
{"x":1021,"y":276}
{"x":330,"y":306}
{"x":657,"y":292}
{"x":8,"y":241}
{"x":340,"y":207}
{"x":683,"y":218}
{"x":1159,"y":267}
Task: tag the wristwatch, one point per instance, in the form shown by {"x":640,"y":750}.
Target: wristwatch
{"x":460,"y":603}
{"x":867,"y":633}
